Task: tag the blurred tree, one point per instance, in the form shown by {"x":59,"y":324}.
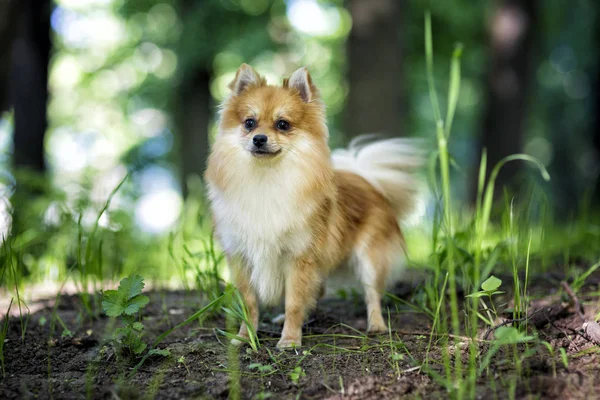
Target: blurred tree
{"x":25,"y":41}
{"x":7,"y":19}
{"x":375,"y":50}
{"x":28,"y":86}
{"x":508,"y":83}
{"x":596,"y":111}
{"x":194,"y":100}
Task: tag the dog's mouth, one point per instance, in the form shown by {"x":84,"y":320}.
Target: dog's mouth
{"x":264,"y":153}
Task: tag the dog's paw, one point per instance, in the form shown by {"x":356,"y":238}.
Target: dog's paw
{"x":237,"y":342}
{"x":377,"y":326}
{"x":289,"y":343}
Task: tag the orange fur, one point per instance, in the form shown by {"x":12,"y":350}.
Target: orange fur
{"x":287,"y":219}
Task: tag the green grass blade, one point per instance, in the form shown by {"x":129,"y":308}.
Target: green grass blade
{"x":489,"y":192}
{"x":580,"y":281}
{"x":429,"y":65}
{"x":454,"y":87}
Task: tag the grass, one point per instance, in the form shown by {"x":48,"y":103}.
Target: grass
{"x":3,"y":333}
{"x":460,"y":379}
{"x":465,"y":250}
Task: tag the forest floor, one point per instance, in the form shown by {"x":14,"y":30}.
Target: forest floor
{"x":337,"y":361}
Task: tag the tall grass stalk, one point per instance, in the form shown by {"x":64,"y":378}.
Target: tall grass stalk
{"x":443,"y":134}
{"x":239,"y":313}
{"x":85,"y":263}
{"x":484,"y":200}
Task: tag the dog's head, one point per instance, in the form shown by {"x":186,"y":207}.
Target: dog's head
{"x":270,"y":123}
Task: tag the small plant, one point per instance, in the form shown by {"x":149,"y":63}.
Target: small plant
{"x":552,"y":355}
{"x":125,"y":302}
{"x":181,"y":360}
{"x":505,"y":335}
{"x":296,"y":374}
{"x":564,"y":358}
{"x":580,"y":280}
{"x":489,"y":288}
{"x":238,"y":311}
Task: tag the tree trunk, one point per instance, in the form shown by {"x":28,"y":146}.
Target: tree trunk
{"x":194,"y":117}
{"x":7,"y":28}
{"x":375,"y":50}
{"x":596,"y":126}
{"x":508,"y":84}
{"x":29,"y":82}
{"x":28,"y":95}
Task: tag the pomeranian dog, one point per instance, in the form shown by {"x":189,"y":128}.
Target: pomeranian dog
{"x":288,"y":213}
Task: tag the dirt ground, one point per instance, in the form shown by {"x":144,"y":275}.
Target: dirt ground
{"x":336,"y":361}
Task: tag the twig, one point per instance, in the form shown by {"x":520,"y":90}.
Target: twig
{"x":508,"y":322}
{"x":562,"y":329}
{"x":413,"y":369}
{"x":500,"y":325}
{"x":548,"y":313}
{"x":574,"y":300}
{"x":590,"y":329}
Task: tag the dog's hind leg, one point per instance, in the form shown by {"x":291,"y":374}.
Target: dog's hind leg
{"x":372,"y":273}
{"x":373,"y":267}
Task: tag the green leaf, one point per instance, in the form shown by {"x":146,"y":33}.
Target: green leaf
{"x":507,"y":333}
{"x":131,"y":286}
{"x":138,"y":326}
{"x":138,"y":347}
{"x":564,"y":358}
{"x":134,"y":304}
{"x":161,"y":352}
{"x":127,"y":299}
{"x":491,"y":284}
{"x":113,"y":303}
{"x":511,"y":335}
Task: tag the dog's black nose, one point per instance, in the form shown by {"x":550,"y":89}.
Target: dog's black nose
{"x":259,"y":140}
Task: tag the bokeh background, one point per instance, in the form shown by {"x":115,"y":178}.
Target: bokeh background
{"x":92,"y":91}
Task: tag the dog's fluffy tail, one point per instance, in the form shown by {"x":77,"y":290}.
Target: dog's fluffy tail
{"x":388,"y":164}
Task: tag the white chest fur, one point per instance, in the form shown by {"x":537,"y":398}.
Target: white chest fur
{"x":261,"y":218}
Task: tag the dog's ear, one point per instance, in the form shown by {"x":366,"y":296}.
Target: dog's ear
{"x":302,"y":82}
{"x":244,"y":77}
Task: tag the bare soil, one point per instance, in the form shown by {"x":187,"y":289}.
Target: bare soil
{"x":337,"y":361}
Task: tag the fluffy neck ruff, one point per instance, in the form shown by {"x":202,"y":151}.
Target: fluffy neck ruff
{"x":268,"y":196}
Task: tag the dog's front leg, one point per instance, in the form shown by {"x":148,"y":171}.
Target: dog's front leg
{"x":241,"y":280}
{"x":302,"y":286}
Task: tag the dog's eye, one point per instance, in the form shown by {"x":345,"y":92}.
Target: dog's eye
{"x":283,"y":125}
{"x":250,"y":123}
